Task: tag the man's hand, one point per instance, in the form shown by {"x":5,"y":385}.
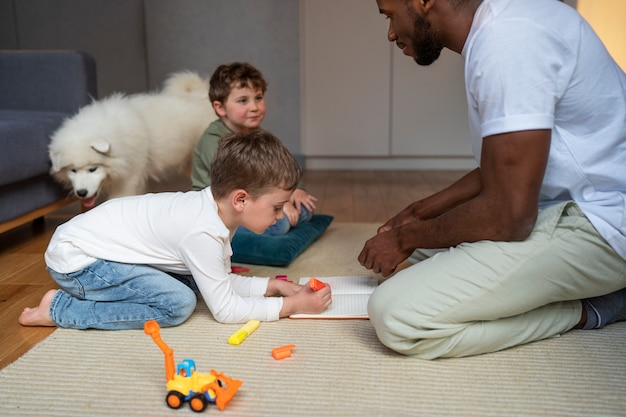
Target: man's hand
{"x":498,"y":201}
{"x":383,"y":253}
{"x":408,"y":215}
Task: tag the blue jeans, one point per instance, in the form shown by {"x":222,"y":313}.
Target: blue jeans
{"x":112,"y":296}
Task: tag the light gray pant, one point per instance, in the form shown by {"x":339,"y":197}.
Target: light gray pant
{"x":486,"y":296}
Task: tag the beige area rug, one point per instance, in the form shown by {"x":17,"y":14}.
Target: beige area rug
{"x":337,"y":369}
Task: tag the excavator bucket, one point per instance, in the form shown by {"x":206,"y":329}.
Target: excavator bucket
{"x":224,"y":393}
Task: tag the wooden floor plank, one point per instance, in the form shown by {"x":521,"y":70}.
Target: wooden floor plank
{"x":315,"y":183}
{"x":339,"y":200}
{"x":369,"y":205}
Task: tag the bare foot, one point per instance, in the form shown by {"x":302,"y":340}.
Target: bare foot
{"x":40,"y":315}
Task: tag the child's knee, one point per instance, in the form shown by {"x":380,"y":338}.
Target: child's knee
{"x":305,"y":215}
{"x":279,"y":228}
{"x":180,"y":308}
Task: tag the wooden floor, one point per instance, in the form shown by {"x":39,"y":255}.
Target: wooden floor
{"x":350,"y":196}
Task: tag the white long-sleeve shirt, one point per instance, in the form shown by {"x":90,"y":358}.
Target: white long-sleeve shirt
{"x":176,"y":232}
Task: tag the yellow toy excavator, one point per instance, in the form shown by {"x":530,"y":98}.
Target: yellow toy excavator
{"x":184,"y":384}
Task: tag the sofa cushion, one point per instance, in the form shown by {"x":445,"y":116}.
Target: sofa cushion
{"x":24,"y":138}
{"x":62,"y":81}
{"x":25,"y":196}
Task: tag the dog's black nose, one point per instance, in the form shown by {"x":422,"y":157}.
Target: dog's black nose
{"x":81,"y":193}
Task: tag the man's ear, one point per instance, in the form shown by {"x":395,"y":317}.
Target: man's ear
{"x":239,"y":200}
{"x":219,"y":108}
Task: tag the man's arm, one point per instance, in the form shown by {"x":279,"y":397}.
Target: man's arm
{"x":440,"y":202}
{"x":502,"y":206}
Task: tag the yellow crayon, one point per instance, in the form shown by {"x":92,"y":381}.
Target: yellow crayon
{"x":241,"y":334}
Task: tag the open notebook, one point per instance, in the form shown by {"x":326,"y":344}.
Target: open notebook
{"x":350,"y":295}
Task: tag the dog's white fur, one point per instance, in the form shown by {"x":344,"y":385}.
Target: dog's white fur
{"x":112,"y":147}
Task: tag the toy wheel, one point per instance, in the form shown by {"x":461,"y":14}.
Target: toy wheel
{"x":175,"y":399}
{"x":198,"y":403}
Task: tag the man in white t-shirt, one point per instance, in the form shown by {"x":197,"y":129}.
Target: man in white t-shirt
{"x":533,"y":242}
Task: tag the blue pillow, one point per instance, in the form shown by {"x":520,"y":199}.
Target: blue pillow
{"x":250,"y":248}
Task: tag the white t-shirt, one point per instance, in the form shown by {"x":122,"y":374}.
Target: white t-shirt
{"x":176,"y":232}
{"x":536,"y":64}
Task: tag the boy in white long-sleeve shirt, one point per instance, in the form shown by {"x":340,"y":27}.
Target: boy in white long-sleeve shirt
{"x":143,"y":258}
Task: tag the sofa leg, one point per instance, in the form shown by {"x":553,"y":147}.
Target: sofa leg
{"x":38,"y":223}
{"x":36,"y":215}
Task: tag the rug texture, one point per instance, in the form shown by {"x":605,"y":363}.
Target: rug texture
{"x":338,"y":367}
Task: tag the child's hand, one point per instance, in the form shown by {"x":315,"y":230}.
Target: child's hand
{"x":306,"y":301}
{"x":291,"y":213}
{"x":301,"y":198}
{"x":280,"y":288}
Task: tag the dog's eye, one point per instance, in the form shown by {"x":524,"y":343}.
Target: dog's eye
{"x":93,"y":169}
{"x":73,"y":170}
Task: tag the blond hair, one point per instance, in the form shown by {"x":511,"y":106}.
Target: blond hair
{"x":256,"y":161}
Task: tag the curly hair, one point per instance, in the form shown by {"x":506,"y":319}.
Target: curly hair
{"x":234,"y":75}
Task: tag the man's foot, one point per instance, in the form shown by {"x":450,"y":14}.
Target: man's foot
{"x":605,"y":309}
{"x":40,"y":315}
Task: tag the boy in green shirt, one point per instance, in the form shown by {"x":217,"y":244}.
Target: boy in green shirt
{"x":237,"y":94}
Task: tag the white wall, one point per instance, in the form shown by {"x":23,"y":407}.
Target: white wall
{"x":345,"y":79}
{"x":367,"y":106}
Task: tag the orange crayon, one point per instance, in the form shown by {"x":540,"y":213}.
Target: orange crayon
{"x":316,"y":284}
{"x":282,"y":352}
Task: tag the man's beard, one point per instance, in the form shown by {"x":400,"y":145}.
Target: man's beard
{"x":426,"y":45}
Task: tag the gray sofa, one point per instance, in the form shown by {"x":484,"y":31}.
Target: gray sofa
{"x":38,"y":90}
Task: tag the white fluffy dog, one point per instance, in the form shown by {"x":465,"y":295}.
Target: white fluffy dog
{"x":112,"y":147}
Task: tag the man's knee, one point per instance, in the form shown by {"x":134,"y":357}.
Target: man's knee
{"x":388,"y":320}
{"x":400,"y":327}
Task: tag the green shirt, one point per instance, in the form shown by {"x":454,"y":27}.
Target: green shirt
{"x":204,"y":152}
